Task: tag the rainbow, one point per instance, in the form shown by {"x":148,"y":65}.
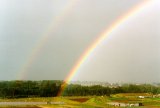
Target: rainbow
{"x":53,"y":26}
{"x":132,"y":12}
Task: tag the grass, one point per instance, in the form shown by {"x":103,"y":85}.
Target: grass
{"x":90,"y":102}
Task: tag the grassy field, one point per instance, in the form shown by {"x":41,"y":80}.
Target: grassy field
{"x":87,"y":101}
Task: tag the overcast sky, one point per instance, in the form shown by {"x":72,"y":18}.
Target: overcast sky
{"x":130,"y":54}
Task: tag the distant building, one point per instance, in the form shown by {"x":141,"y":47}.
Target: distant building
{"x":141,"y":97}
{"x":120,"y":104}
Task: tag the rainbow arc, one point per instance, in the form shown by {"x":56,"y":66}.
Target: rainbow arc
{"x":132,"y":12}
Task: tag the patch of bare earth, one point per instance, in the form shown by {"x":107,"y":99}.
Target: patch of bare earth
{"x":80,"y":99}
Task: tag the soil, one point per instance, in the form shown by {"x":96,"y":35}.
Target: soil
{"x":80,"y":99}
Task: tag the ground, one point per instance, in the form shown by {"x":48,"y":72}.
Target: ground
{"x":86,"y":101}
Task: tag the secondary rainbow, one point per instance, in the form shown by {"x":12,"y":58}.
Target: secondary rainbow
{"x":132,"y":12}
{"x":52,"y":27}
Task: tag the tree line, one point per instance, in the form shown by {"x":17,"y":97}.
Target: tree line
{"x":50,"y":88}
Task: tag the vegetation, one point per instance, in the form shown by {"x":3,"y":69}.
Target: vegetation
{"x":90,"y":101}
{"x":50,"y":88}
{"x":76,"y":96}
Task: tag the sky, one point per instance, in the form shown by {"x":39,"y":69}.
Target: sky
{"x":43,"y":39}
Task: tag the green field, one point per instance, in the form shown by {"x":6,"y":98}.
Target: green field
{"x":87,"y":101}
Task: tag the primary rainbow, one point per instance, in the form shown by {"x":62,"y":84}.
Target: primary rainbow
{"x":132,"y":12}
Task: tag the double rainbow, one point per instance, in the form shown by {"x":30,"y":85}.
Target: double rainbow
{"x":55,"y":24}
